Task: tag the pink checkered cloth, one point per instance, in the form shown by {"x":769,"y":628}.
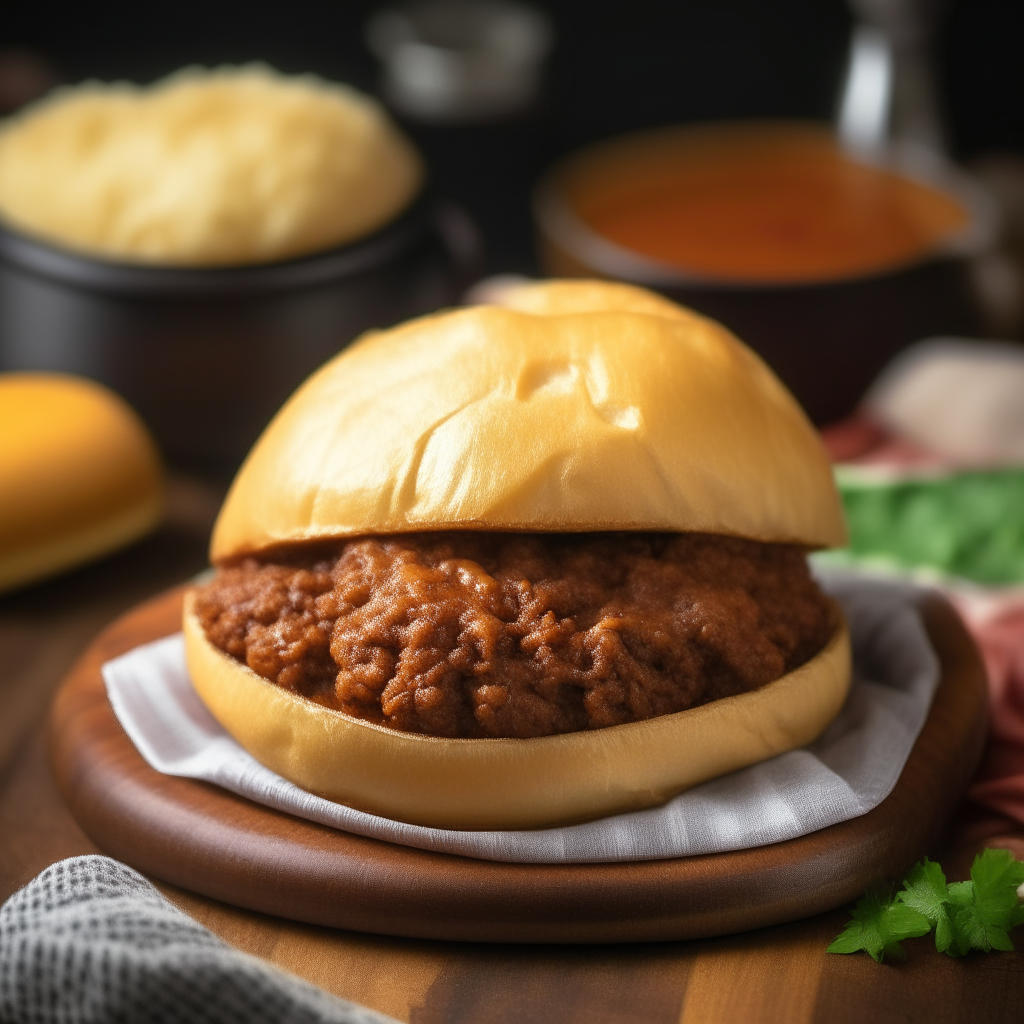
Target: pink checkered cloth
{"x":995,"y":619}
{"x":999,"y":784}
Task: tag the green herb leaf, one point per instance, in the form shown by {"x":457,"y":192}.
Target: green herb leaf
{"x":997,"y":875}
{"x":925,"y":891}
{"x":966,"y":915}
{"x":878,"y":926}
{"x":968,"y":933}
{"x":983,"y":910}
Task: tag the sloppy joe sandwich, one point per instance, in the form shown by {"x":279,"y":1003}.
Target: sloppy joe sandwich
{"x":523,"y":565}
{"x":230,"y":166}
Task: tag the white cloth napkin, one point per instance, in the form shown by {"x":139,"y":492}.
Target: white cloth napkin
{"x":851,"y":768}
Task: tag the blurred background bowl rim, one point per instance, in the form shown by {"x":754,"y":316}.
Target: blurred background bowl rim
{"x":558,"y":221}
{"x":96,"y":272}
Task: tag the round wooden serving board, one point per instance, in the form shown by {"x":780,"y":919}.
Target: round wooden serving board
{"x":212,"y":842}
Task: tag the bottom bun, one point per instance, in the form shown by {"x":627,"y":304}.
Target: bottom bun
{"x":513,"y":783}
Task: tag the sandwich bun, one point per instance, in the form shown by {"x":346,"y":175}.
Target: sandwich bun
{"x":573,"y":407}
{"x":79,"y":474}
{"x":589,"y":407}
{"x":513,"y":783}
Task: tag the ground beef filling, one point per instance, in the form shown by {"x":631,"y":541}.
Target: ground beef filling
{"x":485,"y":634}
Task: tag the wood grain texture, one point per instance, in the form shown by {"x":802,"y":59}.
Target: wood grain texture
{"x":44,"y":627}
{"x":210,"y":841}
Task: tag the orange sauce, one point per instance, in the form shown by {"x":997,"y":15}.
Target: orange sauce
{"x":763,"y":203}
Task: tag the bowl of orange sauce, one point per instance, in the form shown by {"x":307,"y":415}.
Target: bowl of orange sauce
{"x":824,"y":260}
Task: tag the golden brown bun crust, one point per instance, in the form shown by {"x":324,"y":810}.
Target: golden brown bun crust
{"x":589,"y":406}
{"x":510,"y":783}
{"x":79,"y":475}
{"x":557,"y":298}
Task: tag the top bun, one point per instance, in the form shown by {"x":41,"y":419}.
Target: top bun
{"x":231,"y":166}
{"x":574,"y":406}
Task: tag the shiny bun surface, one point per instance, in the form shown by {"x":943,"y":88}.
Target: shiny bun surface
{"x":573,"y":406}
{"x":79,"y":475}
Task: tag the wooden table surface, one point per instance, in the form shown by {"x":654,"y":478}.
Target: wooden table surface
{"x":776,"y":974}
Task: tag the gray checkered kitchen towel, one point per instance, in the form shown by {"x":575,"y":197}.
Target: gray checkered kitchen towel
{"x":90,"y":941}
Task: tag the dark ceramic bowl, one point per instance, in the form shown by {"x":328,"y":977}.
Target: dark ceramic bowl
{"x":207,"y":355}
{"x":826,"y":340}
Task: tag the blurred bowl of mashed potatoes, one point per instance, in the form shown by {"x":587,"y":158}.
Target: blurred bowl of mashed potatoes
{"x":201,"y":244}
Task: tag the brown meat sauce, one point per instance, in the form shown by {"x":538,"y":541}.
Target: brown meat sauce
{"x":485,"y":634}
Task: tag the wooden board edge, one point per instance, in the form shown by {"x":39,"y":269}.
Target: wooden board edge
{"x":678,"y":899}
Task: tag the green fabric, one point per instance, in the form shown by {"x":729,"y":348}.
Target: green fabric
{"x":969,"y":524}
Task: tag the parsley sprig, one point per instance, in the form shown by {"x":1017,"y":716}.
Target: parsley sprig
{"x":965,"y":915}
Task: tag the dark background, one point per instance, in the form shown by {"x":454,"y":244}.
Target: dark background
{"x":615,"y":67}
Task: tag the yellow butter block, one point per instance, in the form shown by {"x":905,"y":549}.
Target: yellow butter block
{"x":79,"y":475}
